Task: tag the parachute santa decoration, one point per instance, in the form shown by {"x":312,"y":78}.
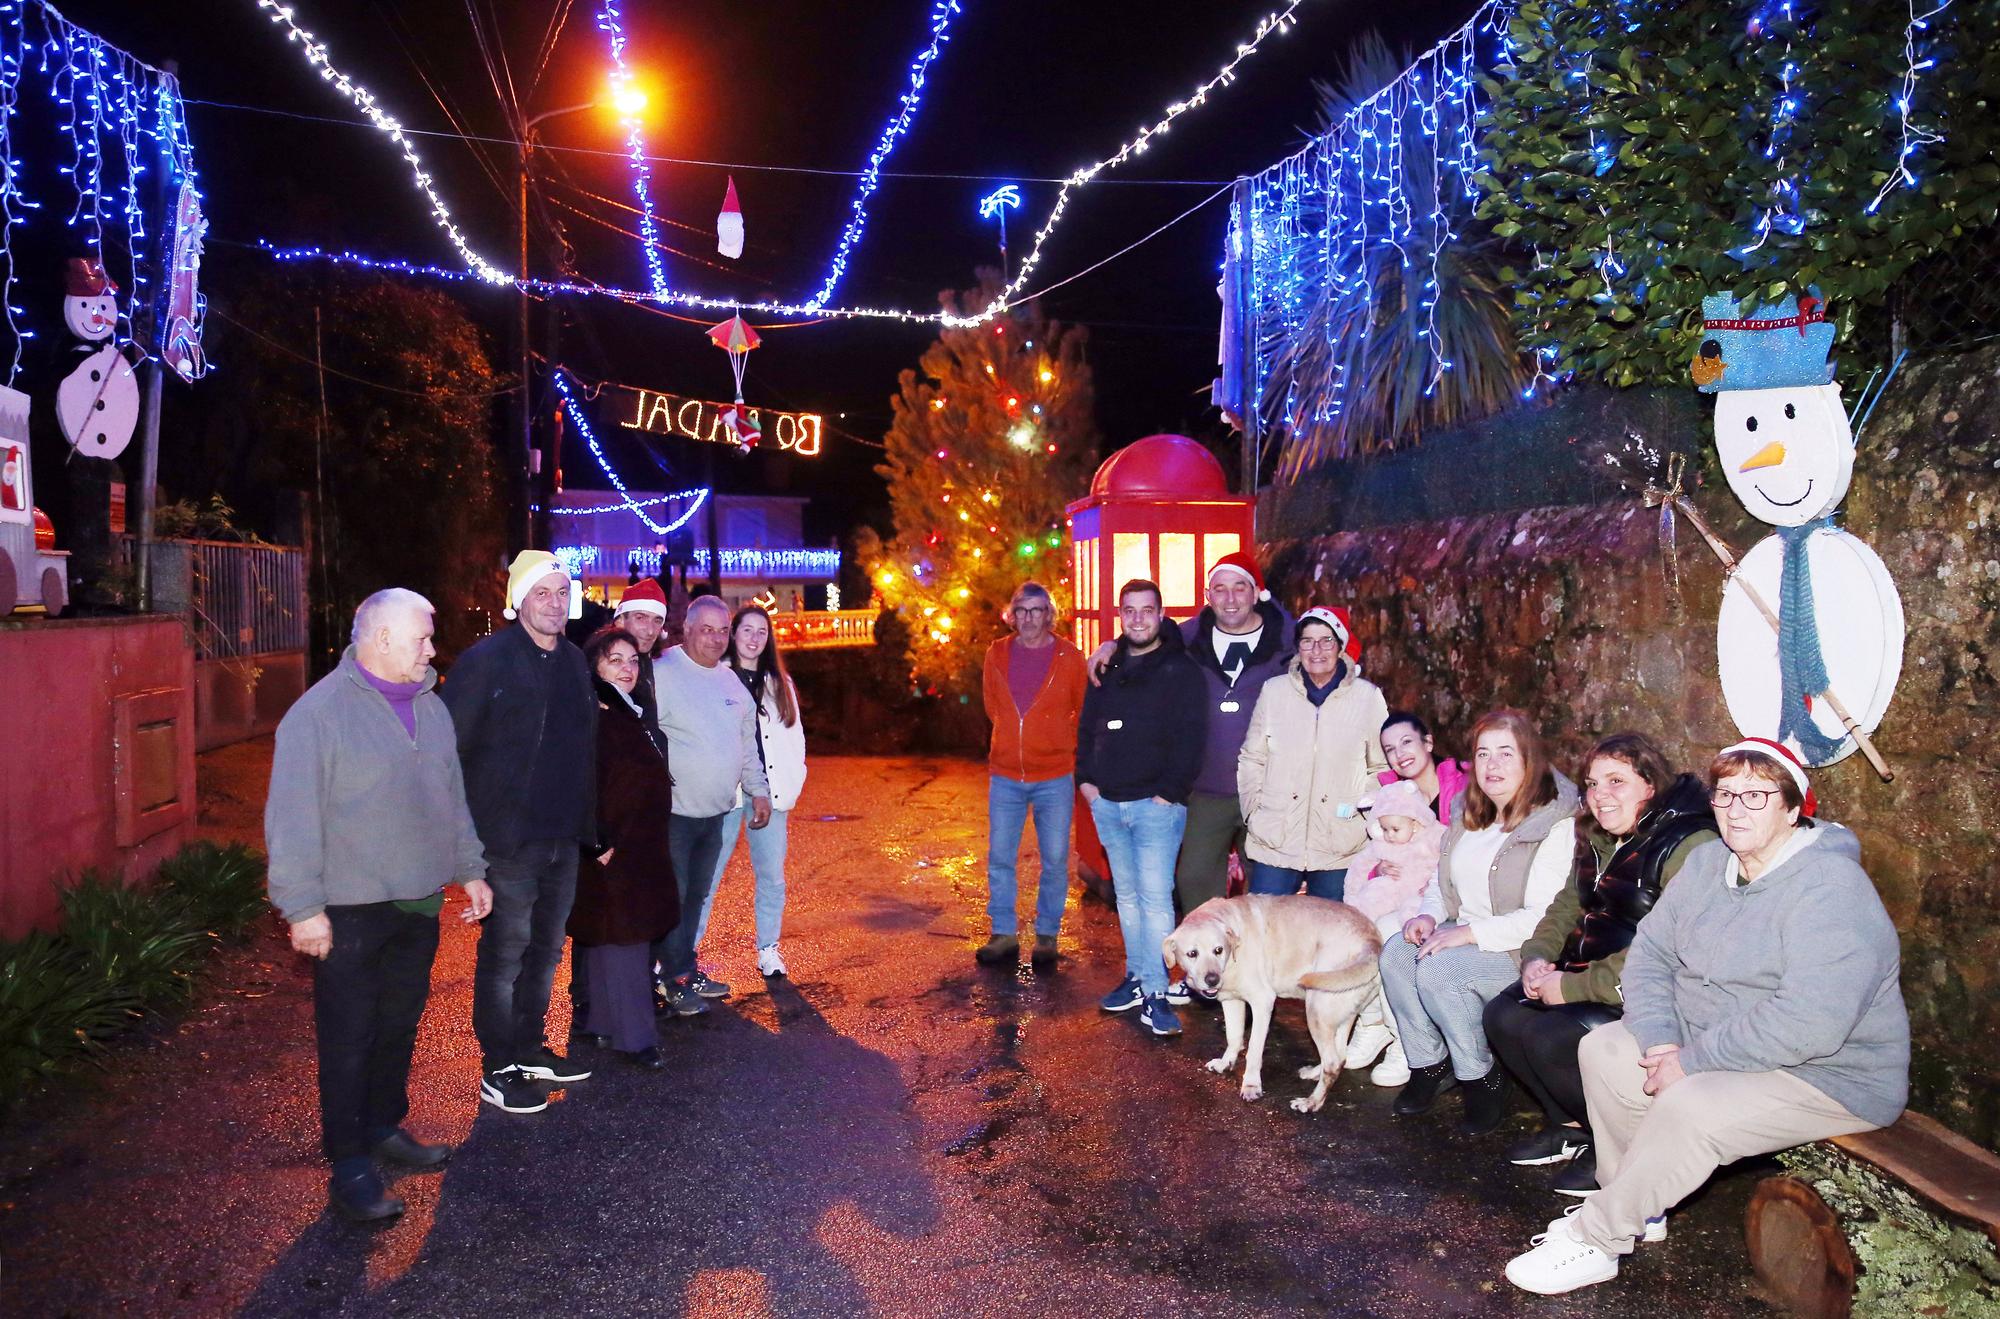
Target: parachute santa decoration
{"x":1809,"y":638}
{"x":735,"y":337}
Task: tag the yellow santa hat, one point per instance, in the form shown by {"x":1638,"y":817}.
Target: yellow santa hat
{"x":528,"y":569}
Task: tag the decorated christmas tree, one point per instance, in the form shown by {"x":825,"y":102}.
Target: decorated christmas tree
{"x":992,"y":436}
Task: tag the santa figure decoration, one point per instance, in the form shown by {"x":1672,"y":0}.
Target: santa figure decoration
{"x":1810,"y":636}
{"x":729,"y":224}
{"x":180,"y":347}
{"x":97,"y":404}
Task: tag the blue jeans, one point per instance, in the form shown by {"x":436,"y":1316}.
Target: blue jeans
{"x":692,"y":843}
{"x":767,"y":861}
{"x":1142,"y":838}
{"x":1008,"y":802}
{"x":1263,"y":877}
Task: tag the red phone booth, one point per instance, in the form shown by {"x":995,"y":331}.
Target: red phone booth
{"x":1159,"y":508}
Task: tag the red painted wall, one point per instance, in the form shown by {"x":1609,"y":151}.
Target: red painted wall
{"x":97,"y":744}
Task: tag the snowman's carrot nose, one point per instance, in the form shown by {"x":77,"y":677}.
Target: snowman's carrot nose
{"x":1769,"y":456}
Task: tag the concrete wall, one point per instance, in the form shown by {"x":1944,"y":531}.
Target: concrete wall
{"x":235,"y":699}
{"x":97,"y":726}
{"x":1565,"y":612}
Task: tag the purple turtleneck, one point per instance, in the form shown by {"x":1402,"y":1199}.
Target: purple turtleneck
{"x":401,"y":697}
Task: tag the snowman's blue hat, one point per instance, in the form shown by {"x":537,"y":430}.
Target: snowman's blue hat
{"x":1781,"y":345}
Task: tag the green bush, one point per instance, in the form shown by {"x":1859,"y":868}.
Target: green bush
{"x":121,"y":952}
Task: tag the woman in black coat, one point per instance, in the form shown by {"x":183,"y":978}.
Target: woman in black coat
{"x":626,"y":898}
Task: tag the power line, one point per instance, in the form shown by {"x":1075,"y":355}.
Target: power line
{"x":746,"y":166}
{"x":317,"y":364}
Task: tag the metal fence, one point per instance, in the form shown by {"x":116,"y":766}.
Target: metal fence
{"x":1950,"y":301}
{"x":240,"y":600}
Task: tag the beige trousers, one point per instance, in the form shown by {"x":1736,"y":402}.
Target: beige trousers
{"x":1655,"y":1151}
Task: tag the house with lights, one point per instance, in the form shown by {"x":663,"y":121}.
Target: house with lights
{"x":607,"y":545}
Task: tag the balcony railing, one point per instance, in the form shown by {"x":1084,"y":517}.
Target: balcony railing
{"x":825,"y":629}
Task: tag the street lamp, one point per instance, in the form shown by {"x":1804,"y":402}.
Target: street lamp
{"x":628,"y":100}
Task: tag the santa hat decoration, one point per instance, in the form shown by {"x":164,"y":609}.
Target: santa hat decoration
{"x":84,"y":277}
{"x":642,"y":597}
{"x":527,"y":571}
{"x":1243,"y":565}
{"x":729,"y":224}
{"x":1778,"y":751}
{"x":1343,"y":629}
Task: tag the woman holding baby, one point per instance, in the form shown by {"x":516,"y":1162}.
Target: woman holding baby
{"x":1639,"y":823}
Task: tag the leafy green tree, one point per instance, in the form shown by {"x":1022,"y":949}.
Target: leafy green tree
{"x":990,"y":438}
{"x":1642,"y":155}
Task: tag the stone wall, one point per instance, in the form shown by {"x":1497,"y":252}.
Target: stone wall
{"x":1566,"y":613}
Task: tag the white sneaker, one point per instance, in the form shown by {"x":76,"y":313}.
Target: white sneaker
{"x":1560,"y":1261}
{"x":1370,"y":1038}
{"x":1656,"y":1230}
{"x":1394,"y":1069}
{"x":769,"y":963}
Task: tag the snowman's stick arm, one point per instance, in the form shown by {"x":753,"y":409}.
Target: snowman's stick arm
{"x":1730,"y":566}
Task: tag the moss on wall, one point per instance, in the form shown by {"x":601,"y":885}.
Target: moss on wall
{"x":1566,"y":612}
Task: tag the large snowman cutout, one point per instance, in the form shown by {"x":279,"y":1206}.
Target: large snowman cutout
{"x":97,"y":404}
{"x":1788,"y":454}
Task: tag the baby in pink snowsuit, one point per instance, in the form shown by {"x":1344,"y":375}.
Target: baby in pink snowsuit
{"x":1402,"y":830}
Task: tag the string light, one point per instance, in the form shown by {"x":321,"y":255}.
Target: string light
{"x":1914,"y":135}
{"x":588,"y":510}
{"x":612,"y":24}
{"x":577,"y":418}
{"x":315,"y":52}
{"x":906,"y":113}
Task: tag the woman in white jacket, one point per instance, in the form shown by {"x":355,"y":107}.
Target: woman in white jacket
{"x":781,"y":742}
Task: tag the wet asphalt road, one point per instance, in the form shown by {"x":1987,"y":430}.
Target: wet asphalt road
{"x":894,"y":1131}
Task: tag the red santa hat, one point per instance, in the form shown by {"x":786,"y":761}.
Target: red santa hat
{"x":1243,"y":564}
{"x":642,"y":597}
{"x":1778,"y":751}
{"x":1343,"y":630}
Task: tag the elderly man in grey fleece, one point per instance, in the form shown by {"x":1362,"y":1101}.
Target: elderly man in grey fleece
{"x":1762,"y":1011}
{"x":365,"y":825}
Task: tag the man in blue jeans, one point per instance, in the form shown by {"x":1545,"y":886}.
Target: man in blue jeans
{"x":1139,"y":748}
{"x":1033,"y":687}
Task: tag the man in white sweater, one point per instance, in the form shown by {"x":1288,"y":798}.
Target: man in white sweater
{"x":711,"y":727}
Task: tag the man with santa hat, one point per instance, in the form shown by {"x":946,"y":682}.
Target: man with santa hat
{"x":526,"y":717}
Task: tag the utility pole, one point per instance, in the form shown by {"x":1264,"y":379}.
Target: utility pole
{"x":524,"y":404}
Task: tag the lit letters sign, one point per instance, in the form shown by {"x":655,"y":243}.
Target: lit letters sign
{"x":696,"y":419}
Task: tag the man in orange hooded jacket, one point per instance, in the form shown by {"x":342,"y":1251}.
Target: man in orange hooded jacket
{"x":1033,"y":686}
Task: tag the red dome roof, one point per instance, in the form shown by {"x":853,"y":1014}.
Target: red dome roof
{"x":1170,"y":466}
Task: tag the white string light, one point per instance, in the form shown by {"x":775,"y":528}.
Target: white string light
{"x":612,"y":24}
{"x":584,"y":428}
{"x":315,"y":51}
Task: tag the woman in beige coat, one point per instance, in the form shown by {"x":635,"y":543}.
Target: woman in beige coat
{"x":1308,"y":761}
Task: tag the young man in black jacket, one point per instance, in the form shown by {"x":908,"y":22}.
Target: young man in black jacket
{"x":1139,"y":747}
{"x":522,"y":705}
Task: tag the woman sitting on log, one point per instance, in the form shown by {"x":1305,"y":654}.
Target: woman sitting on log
{"x":1762,"y":1011}
{"x":1637,"y":828}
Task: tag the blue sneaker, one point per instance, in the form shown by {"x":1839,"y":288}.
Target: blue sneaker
{"x":1158,"y":1017}
{"x":1178,"y":993}
{"x":1124,"y":998}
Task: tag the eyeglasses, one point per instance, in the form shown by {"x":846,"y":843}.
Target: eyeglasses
{"x":1319,"y":643}
{"x":1754,"y":800}
{"x":1031,"y":611}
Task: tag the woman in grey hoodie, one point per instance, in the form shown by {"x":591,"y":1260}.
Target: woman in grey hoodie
{"x":1762,"y":1011}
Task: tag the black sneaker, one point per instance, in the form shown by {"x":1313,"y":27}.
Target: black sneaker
{"x":510,"y":1091}
{"x":1579,"y":1179}
{"x":1425,"y":1085}
{"x":1549,"y":1145}
{"x":707,"y":988}
{"x":545,"y":1064}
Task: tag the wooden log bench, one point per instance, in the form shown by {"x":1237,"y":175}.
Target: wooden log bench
{"x":1904,"y":1221}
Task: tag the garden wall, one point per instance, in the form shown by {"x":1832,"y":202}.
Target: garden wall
{"x":1565,"y":612}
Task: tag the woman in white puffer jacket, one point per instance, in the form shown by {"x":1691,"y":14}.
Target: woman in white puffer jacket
{"x":781,"y":742}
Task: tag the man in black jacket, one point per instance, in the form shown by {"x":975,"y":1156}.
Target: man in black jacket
{"x":526,"y":718}
{"x":1139,"y":747}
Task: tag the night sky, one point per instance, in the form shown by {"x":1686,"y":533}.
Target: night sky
{"x":1025,"y":89}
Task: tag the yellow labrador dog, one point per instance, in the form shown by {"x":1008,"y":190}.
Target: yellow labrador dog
{"x":1257,"y":949}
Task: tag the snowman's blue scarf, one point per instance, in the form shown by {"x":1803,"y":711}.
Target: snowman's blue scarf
{"x":1801,"y":666}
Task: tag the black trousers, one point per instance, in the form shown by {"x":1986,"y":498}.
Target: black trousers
{"x":1537,"y":1043}
{"x":368,"y":996}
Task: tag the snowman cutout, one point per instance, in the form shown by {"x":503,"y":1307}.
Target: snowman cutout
{"x":1787,"y":453}
{"x":97,"y":404}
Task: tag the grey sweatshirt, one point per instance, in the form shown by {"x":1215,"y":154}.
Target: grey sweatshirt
{"x":711,"y":727}
{"x":1796,"y":972}
{"x":358,"y":810}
